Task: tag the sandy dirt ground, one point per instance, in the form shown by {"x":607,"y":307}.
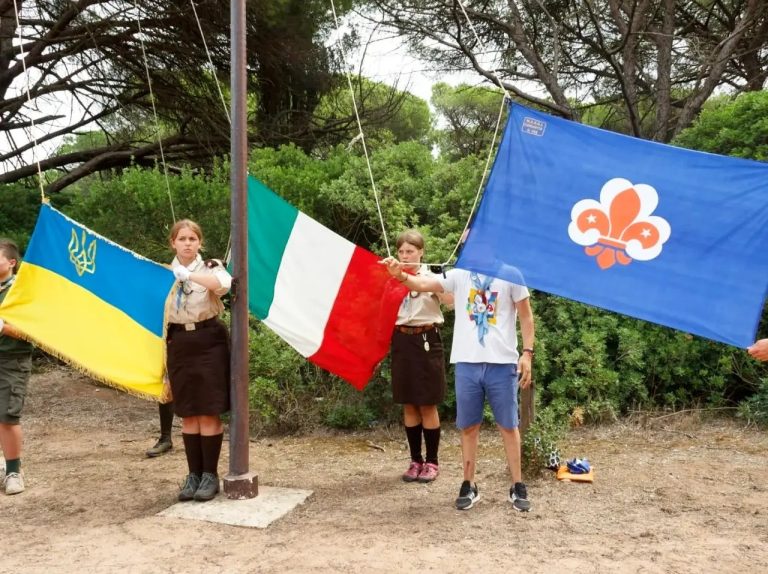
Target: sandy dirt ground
{"x":681,"y":496}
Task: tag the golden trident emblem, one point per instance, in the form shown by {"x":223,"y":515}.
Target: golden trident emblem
{"x":84,"y":259}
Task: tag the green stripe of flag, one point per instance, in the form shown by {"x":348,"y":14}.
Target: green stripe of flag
{"x":270,"y":223}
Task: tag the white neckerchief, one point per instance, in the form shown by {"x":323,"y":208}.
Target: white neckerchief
{"x":184,"y":289}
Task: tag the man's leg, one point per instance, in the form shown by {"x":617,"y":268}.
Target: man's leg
{"x":470,"y":438}
{"x":470,"y":398}
{"x":501,"y":387}
{"x":511,"y":438}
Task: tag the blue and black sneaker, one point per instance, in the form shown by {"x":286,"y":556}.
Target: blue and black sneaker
{"x":518,"y":496}
{"x":468,"y":496}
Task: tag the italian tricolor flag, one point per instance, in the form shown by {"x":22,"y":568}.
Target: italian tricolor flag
{"x":326,"y":297}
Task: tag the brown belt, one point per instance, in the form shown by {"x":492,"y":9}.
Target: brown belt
{"x":173,"y":327}
{"x":415,"y":330}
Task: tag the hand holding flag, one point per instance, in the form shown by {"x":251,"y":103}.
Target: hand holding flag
{"x":759,"y":350}
{"x":181,"y":273}
{"x":394,"y":267}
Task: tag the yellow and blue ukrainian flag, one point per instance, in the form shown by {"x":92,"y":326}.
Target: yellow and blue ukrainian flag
{"x":92,"y":303}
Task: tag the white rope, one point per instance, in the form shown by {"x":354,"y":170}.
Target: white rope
{"x":482,"y":180}
{"x":482,"y":47}
{"x":477,"y":195}
{"x":504,"y":99}
{"x":31,"y":131}
{"x":210,"y":61}
{"x":360,"y":128}
{"x":154,"y":110}
{"x":228,"y":251}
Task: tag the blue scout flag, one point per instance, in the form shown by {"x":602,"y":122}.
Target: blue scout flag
{"x":92,"y":303}
{"x":665,"y":234}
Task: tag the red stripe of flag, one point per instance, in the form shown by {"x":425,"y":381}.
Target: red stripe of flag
{"x":359,"y":329}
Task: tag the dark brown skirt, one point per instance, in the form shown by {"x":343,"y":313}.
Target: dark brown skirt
{"x":418,"y":376}
{"x":198,"y":368}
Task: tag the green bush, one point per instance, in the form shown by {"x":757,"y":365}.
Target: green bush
{"x":19,"y":208}
{"x":133,"y":209}
{"x":349,"y":416}
{"x":284,"y":389}
{"x":542,"y":439}
{"x":754,"y":410}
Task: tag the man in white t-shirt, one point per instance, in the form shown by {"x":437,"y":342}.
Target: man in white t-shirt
{"x":488,"y":364}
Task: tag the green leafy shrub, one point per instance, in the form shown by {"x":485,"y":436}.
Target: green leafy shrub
{"x":542,"y":439}
{"x":754,"y":410}
{"x":133,"y":209}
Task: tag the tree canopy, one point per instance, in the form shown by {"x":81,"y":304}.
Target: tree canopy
{"x":470,"y":115}
{"x":654,"y":62}
{"x":84,"y":67}
{"x":727,"y":126}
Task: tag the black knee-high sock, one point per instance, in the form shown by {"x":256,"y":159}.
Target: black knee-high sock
{"x":166,"y":420}
{"x":414,"y":441}
{"x":194,"y":451}
{"x":432,"y":441}
{"x":211,"y":451}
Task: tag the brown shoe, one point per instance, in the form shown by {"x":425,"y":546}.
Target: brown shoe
{"x":161,"y":446}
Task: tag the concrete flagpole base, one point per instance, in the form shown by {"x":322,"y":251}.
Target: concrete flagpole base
{"x":271,"y":504}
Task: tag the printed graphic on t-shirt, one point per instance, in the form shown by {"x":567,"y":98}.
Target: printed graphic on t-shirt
{"x":481,"y":306}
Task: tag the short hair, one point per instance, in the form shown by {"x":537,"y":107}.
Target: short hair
{"x":185,"y":223}
{"x":412,"y":237}
{"x":11,"y":251}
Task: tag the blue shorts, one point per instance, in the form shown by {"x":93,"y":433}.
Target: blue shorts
{"x":475,"y":382}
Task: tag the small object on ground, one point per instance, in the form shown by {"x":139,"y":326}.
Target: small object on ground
{"x":566,"y":476}
{"x":374,"y":445}
{"x":578,"y":466}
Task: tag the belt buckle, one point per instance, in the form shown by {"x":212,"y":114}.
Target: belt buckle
{"x":189,"y":326}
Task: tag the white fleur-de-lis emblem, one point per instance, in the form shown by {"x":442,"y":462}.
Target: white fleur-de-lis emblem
{"x":620,"y":227}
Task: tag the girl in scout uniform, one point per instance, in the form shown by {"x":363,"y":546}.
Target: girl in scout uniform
{"x":198,"y":357}
{"x":418,"y":366}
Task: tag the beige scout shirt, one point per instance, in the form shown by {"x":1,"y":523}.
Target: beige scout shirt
{"x":190,"y":302}
{"x":420,"y":308}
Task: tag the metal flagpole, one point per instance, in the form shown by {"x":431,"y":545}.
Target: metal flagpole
{"x":239,"y":483}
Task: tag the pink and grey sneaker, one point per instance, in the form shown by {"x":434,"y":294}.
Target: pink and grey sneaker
{"x":413,"y":472}
{"x":428,"y":472}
